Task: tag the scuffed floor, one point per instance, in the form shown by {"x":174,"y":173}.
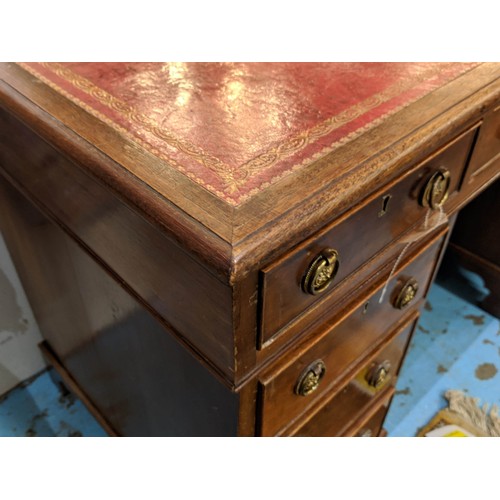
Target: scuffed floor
{"x":456,"y":346}
{"x":40,"y":408}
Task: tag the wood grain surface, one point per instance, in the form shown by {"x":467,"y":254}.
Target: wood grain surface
{"x":163,"y":259}
{"x":291,"y":208}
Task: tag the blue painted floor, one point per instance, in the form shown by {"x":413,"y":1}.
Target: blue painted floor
{"x":456,"y":346}
{"x":40,"y":408}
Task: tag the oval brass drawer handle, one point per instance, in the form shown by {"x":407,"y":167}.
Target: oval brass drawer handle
{"x":310,"y":378}
{"x":379,"y":375}
{"x":406,"y":294}
{"x":436,"y":191}
{"x":321,"y":272}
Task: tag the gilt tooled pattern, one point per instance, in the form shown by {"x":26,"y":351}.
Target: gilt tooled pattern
{"x":147,"y":146}
{"x":132,"y":115}
{"x":234,"y":178}
{"x":299,"y":142}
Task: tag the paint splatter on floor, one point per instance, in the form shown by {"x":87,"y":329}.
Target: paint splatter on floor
{"x":475,"y":318}
{"x":456,"y":346}
{"x":40,"y":407}
{"x":486,"y":371}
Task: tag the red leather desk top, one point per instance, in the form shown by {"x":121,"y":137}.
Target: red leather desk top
{"x":235,"y":128}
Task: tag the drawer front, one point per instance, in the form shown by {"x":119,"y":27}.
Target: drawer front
{"x":344,"y":342}
{"x":486,"y":153}
{"x":354,"y":401}
{"x":356,"y":238}
{"x":373,"y":426}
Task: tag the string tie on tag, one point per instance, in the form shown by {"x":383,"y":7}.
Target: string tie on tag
{"x":433,"y":219}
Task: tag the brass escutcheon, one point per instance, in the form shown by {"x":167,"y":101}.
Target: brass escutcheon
{"x":309,"y":380}
{"x":321,"y":272}
{"x":385,"y":205}
{"x":407,"y":294}
{"x":436,"y":191}
{"x":379,"y":375}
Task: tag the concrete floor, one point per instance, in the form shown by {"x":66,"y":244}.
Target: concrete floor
{"x":456,"y":346}
{"x":40,"y":408}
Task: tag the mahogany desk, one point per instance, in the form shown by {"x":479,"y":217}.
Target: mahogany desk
{"x":240,"y":249}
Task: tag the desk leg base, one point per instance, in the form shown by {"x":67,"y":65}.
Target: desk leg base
{"x":489,"y":271}
{"x":72,"y":385}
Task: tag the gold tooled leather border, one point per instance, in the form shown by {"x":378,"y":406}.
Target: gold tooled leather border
{"x":235,"y":177}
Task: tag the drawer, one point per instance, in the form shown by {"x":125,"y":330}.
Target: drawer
{"x":486,"y":152}
{"x":350,"y":243}
{"x":343,"y":343}
{"x":372,"y":426}
{"x":350,"y":407}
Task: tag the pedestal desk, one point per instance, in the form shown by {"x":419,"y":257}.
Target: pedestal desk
{"x":238,"y":249}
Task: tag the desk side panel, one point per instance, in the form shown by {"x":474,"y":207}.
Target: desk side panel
{"x":161,"y":275}
{"x":141,"y":379}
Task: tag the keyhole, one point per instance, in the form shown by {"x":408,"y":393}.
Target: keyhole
{"x":365,"y":307}
{"x":385,"y":205}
